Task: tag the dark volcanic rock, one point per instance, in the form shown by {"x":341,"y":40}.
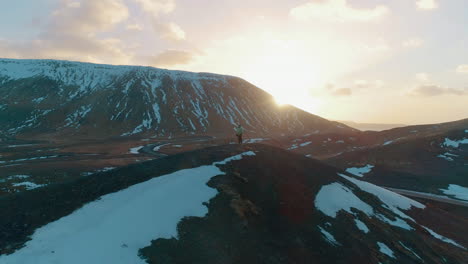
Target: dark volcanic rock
{"x":267,"y":210}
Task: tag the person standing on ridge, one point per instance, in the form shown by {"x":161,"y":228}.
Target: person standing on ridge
{"x":239,"y":131}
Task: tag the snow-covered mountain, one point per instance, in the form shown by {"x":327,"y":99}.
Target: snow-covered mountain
{"x":47,"y":97}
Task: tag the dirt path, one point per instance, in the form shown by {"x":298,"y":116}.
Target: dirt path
{"x":428,"y":196}
{"x":149,"y":149}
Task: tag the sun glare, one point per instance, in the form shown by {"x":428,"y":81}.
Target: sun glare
{"x":284,"y":69}
{"x":280,"y":102}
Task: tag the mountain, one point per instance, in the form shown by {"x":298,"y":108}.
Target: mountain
{"x":225,"y":204}
{"x":371,"y":126}
{"x":51,"y":99}
{"x":326,"y":146}
{"x":429,"y":163}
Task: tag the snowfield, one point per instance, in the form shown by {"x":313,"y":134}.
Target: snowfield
{"x":113,"y":228}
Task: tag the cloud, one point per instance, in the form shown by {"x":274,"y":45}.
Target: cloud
{"x":412,"y":43}
{"x":170,"y":58}
{"x":357,"y":85}
{"x":134,"y":27}
{"x":337,"y":91}
{"x":462,"y":68}
{"x":337,"y":11}
{"x":427,"y":4}
{"x":342,"y":92}
{"x":365,"y":84}
{"x":422,"y":77}
{"x":72,"y":33}
{"x":87,"y":17}
{"x":156,"y":7}
{"x":170,"y":31}
{"x":435,"y":90}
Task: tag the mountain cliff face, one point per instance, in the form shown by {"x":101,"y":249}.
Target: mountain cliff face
{"x":46,"y":97}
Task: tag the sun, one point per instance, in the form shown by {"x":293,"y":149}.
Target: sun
{"x":280,"y":101}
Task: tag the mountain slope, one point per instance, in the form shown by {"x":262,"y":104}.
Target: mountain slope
{"x":257,"y":210}
{"x":327,"y":146}
{"x":46,"y":97}
{"x":428,"y":163}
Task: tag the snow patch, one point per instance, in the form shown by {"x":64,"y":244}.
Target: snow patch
{"x":388,"y":142}
{"x":157,"y":148}
{"x":361,"y":226}
{"x":360,"y":171}
{"x":410,"y":250}
{"x":136,"y":150}
{"x":445,"y":157}
{"x":236,"y":157}
{"x":13,"y":177}
{"x":329,"y":237}
{"x":385,"y":250}
{"x":28,"y":185}
{"x":454,"y":143}
{"x":442,"y":238}
{"x":335,"y":197}
{"x":255,"y":140}
{"x":393,"y":200}
{"x":457,"y":191}
{"x":38,"y":100}
{"x":22,"y":145}
{"x":295,"y":146}
{"x":94,"y":172}
{"x":29,"y":159}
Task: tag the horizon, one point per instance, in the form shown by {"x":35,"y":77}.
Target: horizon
{"x":366,"y":62}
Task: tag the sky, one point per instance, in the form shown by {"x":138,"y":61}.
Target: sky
{"x":381,"y":61}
